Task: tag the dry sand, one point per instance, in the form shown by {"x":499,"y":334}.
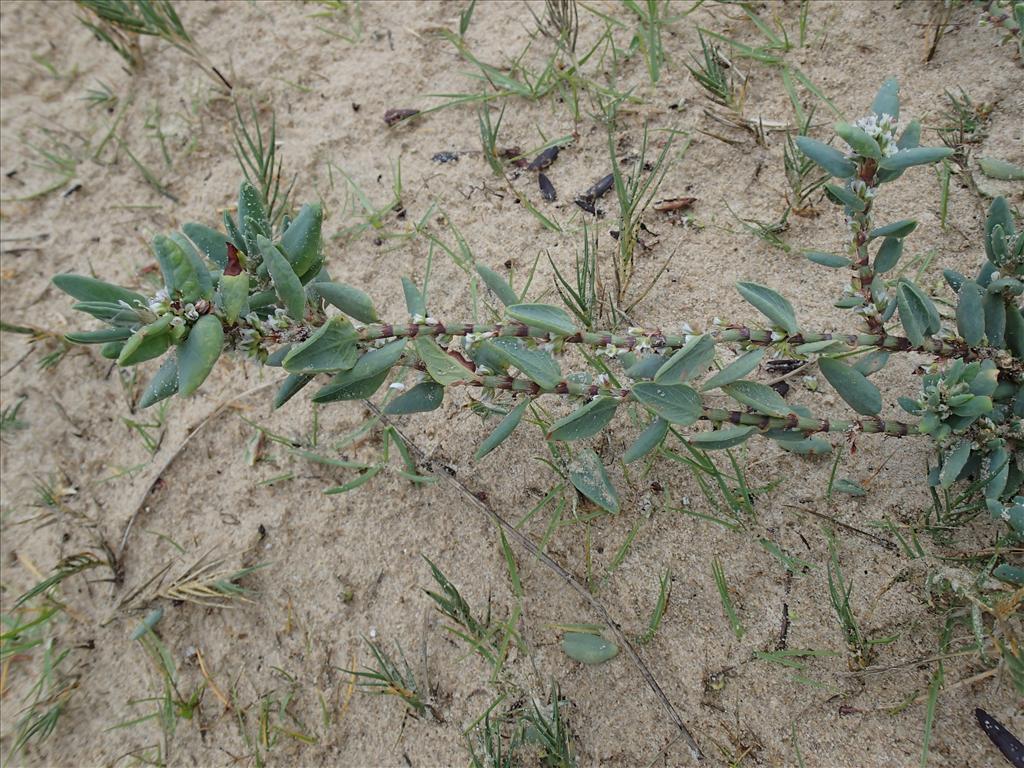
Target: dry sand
{"x":347,"y":567}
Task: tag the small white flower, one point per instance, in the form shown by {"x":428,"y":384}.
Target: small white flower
{"x":686,"y":329}
{"x":190,"y":312}
{"x":418,"y":319}
{"x":776,"y":336}
{"x":397,"y":386}
{"x":601,"y":379}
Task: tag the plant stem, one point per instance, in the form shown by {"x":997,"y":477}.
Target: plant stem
{"x":717,"y":415}
{"x":655,"y":339}
{"x":864,"y":272}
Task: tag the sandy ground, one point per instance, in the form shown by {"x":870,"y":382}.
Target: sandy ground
{"x":342,"y":568}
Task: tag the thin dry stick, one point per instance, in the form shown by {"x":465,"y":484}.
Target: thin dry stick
{"x":869,"y":536}
{"x":193,"y":431}
{"x":513,"y":533}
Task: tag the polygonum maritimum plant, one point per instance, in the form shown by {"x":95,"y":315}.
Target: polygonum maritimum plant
{"x":266,"y":294}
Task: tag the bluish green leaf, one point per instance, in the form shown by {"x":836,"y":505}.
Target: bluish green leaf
{"x":859,"y":140}
{"x":970,"y":313}
{"x":351,"y":301}
{"x":888,"y":255}
{"x":235,"y":235}
{"x":442,"y":367}
{"x":210,"y":242}
{"x":198,"y":354}
{"x":425,"y":396}
{"x":113,"y":313}
{"x":586,"y":421}
{"x":1011,"y":574}
{"x":676,"y":403}
{"x":849,"y":487}
{"x":543,"y":316}
{"x":887,"y":101}
{"x":917,"y":313}
{"x":796,"y":442}
{"x":89,"y":289}
{"x":146,"y":343}
{"x":720,"y":439}
{"x":198,"y":264}
{"x":365,"y":377}
{"x":995,"y":319}
{"x":163,"y":384}
{"x":178,"y":271}
{"x":846,"y":197}
{"x":908,"y":158}
{"x":252,"y":217}
{"x":301,"y":241}
{"x":589,"y":477}
{"x":818,"y":347}
{"x":332,"y":347}
{"x":859,"y":393}
{"x":536,"y":364}
{"x":498,"y":285}
{"x":998,"y":216}
{"x":872,"y":362}
{"x":646,"y":367}
{"x":588,"y":648}
{"x":829,"y":158}
{"x":647,"y":441}
{"x":290,"y":387}
{"x":504,"y":429}
{"x":234,"y":296}
{"x":900,"y":228}
{"x":1014,"y":333}
{"x":101,"y":336}
{"x":112,"y":350}
{"x":830,"y":260}
{"x":690,"y":360}
{"x":954,"y":463}
{"x":286,"y":283}
{"x":995,"y":168}
{"x":760,"y":397}
{"x":346,"y":386}
{"x":736,"y":370}
{"x":414,"y":300}
{"x":911,"y":136}
{"x":771,"y":305}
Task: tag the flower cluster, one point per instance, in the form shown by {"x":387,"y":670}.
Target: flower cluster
{"x":882,"y":128}
{"x":254,"y":331}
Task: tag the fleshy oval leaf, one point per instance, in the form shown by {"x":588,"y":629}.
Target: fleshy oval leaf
{"x":543,"y":316}
{"x":584,"y":422}
{"x":198,"y":354}
{"x":588,"y":476}
{"x":676,"y":403}
{"x":859,"y":393}
{"x":587,"y":648}
{"x":502,"y":432}
{"x":772,"y":305}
